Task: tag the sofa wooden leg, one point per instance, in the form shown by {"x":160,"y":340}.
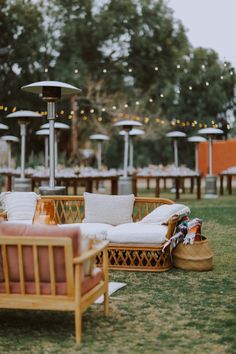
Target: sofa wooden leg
{"x":106,"y":305}
{"x":78,"y":313}
{"x":78,"y":326}
{"x":105,"y":274}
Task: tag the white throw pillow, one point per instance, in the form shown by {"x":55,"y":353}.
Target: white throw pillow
{"x":108,"y":209}
{"x":19,"y":205}
{"x":137,"y":233}
{"x":163,"y":213}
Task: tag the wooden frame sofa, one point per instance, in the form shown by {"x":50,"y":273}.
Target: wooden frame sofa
{"x":121,"y":256}
{"x":27,"y":283}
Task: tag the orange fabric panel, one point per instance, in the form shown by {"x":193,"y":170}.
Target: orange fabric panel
{"x":224,"y":156}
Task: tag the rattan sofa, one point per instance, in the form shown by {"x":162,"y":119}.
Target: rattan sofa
{"x":121,"y":256}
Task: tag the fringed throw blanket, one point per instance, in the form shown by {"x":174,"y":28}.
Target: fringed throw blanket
{"x":187,"y":231}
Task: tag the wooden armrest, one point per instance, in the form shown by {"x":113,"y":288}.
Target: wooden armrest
{"x":90,"y":254}
{"x":3,"y":215}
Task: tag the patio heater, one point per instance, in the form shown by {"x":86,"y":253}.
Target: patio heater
{"x":133,"y":132}
{"x":125,"y":182}
{"x":9,"y":139}
{"x":3,"y":126}
{"x":210,"y":181}
{"x":23,"y":184}
{"x":51,"y":92}
{"x":45,"y":134}
{"x":99,"y":138}
{"x":196,"y":140}
{"x":57,"y":127}
{"x":176,"y":135}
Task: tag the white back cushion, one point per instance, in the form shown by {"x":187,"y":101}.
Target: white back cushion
{"x":163,"y":213}
{"x":19,"y":205}
{"x":108,"y":209}
{"x":138,"y":233}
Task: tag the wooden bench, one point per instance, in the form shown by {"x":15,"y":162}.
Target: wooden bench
{"x":121,"y":256}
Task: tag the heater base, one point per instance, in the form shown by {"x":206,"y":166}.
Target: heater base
{"x":210,"y":187}
{"x":125,"y":185}
{"x":22,"y":185}
{"x":47,"y":190}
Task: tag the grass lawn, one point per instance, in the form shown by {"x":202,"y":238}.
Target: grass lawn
{"x":170,"y":312}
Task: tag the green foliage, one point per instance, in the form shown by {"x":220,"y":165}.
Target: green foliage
{"x":25,"y":40}
{"x":212,"y":87}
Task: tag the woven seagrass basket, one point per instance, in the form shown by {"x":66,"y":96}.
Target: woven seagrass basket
{"x":197,"y":257}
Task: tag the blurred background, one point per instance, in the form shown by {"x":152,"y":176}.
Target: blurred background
{"x":132,"y":60}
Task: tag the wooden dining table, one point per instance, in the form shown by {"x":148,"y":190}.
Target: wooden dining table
{"x":68,"y":181}
{"x":178,"y":183}
{"x":229,"y":177}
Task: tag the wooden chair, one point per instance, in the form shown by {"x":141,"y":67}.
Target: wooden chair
{"x":70,"y":295}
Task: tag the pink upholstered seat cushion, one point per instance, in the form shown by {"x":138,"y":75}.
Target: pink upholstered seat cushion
{"x":88,"y":283}
{"x":44,"y":231}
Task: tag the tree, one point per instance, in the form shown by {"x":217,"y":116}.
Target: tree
{"x":206,"y":88}
{"x":23,"y":59}
{"x":112,"y":52}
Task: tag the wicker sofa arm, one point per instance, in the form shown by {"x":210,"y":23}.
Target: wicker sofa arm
{"x":92,"y":253}
{"x":3,"y":215}
{"x":171,"y":226}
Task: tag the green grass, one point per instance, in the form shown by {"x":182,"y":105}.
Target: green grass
{"x":170,"y":312}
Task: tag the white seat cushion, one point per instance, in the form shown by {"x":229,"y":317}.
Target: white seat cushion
{"x":16,"y":221}
{"x":108,"y":209}
{"x":138,"y":233}
{"x":93,"y":230}
{"x":90,"y":232}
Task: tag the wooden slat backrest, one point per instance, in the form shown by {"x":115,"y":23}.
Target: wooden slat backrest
{"x":35,"y":243}
{"x":70,"y":209}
